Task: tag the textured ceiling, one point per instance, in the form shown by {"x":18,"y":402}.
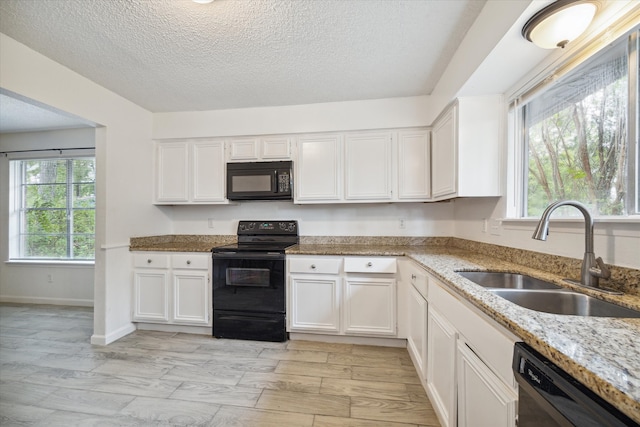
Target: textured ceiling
{"x":176,"y":55}
{"x":20,"y":115}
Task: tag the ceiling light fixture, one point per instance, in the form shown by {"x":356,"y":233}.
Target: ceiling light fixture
{"x":559,"y":23}
{"x":203,"y":1}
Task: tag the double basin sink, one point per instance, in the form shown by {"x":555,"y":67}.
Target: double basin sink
{"x":539,"y":295}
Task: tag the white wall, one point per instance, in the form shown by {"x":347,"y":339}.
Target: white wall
{"x":124,"y":187}
{"x":324,"y":117}
{"x":40,"y":282}
{"x":617,"y":243}
{"x":421,"y":219}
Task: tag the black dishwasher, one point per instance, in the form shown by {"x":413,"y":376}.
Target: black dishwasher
{"x":550,"y":397}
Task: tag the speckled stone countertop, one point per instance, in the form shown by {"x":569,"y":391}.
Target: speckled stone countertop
{"x":602,"y":353}
{"x":180,"y":243}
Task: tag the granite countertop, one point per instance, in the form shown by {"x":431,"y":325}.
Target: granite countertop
{"x":602,"y":353}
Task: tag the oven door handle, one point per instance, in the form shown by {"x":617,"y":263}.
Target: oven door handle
{"x":249,"y":255}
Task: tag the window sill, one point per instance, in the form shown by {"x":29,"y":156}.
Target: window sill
{"x":61,"y":263}
{"x":601,"y":220}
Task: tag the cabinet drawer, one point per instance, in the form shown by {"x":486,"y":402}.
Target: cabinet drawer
{"x":151,"y":260}
{"x":370,"y":265}
{"x":493,"y":344}
{"x":420,"y":281}
{"x":190,"y":261}
{"x":314,"y":265}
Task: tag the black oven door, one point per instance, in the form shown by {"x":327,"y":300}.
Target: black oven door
{"x":249,"y":282}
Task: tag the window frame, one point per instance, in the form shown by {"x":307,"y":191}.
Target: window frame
{"x":518,"y":165}
{"x":18,"y":210}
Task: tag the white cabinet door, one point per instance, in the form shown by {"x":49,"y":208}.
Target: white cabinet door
{"x":151,"y":295}
{"x":414,"y":165}
{"x":441,"y":374}
{"x":172,"y":176}
{"x":276,"y":148}
{"x":370,"y":306}
{"x":368,"y":160}
{"x":315,"y":304}
{"x":243,"y":149}
{"x":319,"y":168}
{"x":208,"y":172}
{"x":444,"y":162}
{"x":483,"y":400}
{"x":190,"y":297}
{"x":417,"y":333}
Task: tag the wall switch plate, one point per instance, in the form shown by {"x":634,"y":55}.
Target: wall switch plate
{"x":210,"y":222}
{"x":485,"y":225}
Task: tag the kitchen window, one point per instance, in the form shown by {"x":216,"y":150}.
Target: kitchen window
{"x":580,"y":136}
{"x":53,"y":209}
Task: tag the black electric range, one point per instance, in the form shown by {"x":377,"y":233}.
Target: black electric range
{"x":249,"y":282}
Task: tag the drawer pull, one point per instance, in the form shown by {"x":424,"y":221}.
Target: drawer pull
{"x":188,"y":262}
{"x":149,"y":261}
{"x":313,"y":266}
{"x":369,"y":264}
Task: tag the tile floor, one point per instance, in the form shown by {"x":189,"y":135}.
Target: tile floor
{"x":50,"y":375}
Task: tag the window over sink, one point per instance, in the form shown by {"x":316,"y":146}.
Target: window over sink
{"x":579,"y":135}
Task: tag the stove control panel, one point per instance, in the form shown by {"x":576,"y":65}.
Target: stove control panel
{"x":268,"y":227}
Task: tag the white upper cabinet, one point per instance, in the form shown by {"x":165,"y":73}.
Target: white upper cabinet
{"x":172,"y":172}
{"x":363,"y":167}
{"x":207,"y":172}
{"x":253,"y":149}
{"x":318,"y":169}
{"x":444,"y":165}
{"x":190,"y":172}
{"x":414,"y":172}
{"x":466,"y":146}
{"x":368,"y":165}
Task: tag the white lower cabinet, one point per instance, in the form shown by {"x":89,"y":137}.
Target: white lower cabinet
{"x":441,"y":367}
{"x":151,"y":295}
{"x":190,"y":302}
{"x":171,"y":288}
{"x":369,"y":306}
{"x":315,"y":304}
{"x":326,"y":298}
{"x":469,"y":377}
{"x":483,"y":399}
{"x":417,"y":330}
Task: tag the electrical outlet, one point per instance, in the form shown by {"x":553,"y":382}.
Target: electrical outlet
{"x":485,"y":225}
{"x":210,"y":222}
{"x":50,"y":278}
{"x":403,"y":223}
{"x":496,"y":227}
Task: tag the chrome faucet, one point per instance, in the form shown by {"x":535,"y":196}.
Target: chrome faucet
{"x":589,"y":274}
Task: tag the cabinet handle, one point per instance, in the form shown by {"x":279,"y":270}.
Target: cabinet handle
{"x":313,"y":266}
{"x":188,"y":262}
{"x":149,"y":261}
{"x":413,"y":277}
{"x":369,"y":264}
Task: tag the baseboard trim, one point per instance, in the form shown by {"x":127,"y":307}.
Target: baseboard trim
{"x":343,"y":339}
{"x":198,"y":330}
{"x":47,"y":301}
{"x":113,"y":336}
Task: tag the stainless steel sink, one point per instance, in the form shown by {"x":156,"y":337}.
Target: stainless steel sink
{"x":495,"y":279}
{"x":564,"y":302}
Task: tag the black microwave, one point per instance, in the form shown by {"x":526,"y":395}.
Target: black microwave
{"x":260,"y":181}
